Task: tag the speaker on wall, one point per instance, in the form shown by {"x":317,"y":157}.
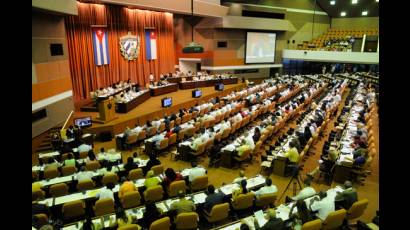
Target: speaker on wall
{"x":293,"y":41}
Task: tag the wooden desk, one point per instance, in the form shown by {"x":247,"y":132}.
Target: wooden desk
{"x":160,"y":90}
{"x":206,"y":83}
{"x":226,"y":159}
{"x":279,"y":166}
{"x":126,"y":107}
{"x":178,"y":79}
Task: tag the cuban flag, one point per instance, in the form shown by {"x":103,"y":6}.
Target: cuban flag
{"x":151,"y":44}
{"x":100,"y":44}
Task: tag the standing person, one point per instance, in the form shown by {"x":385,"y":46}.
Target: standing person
{"x":151,"y":79}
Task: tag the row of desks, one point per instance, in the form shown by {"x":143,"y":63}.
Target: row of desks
{"x":128,"y":106}
{"x":198,"y":199}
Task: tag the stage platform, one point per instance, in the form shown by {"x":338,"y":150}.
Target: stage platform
{"x":151,"y":109}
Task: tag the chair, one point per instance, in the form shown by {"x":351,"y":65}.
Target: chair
{"x":181,"y":135}
{"x":68,"y":170}
{"x":131,"y":140}
{"x":129,"y":227}
{"x":38,"y":194}
{"x":245,"y":156}
{"x":58,"y":190}
{"x":172,"y":139}
{"x":152,"y":131}
{"x":357,"y":209}
{"x":162,"y":127}
{"x":266,"y":200}
{"x":312,"y":225}
{"x":161,"y":224}
{"x":172,"y":124}
{"x":131,"y":199}
{"x":51,"y":173}
{"x":142,"y":135}
{"x":109,"y":178}
{"x":178,"y":121}
{"x":218,"y":212}
{"x":73,"y":209}
{"x":187,"y":220}
{"x":176,"y":186}
{"x":92,"y":166}
{"x":163,"y":144}
{"x":42,"y":219}
{"x":199,"y":183}
{"x":243,"y":201}
{"x":135,"y":174}
{"x":83,"y":155}
{"x":334,"y":220}
{"x":104,"y":206}
{"x":154,"y":193}
{"x":200,"y":149}
{"x":157,"y":169}
{"x":225,"y":133}
{"x":85,"y":185}
{"x":34,"y":175}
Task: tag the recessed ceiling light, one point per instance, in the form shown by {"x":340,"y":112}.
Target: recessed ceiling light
{"x":343,"y":14}
{"x":377,"y":0}
{"x":364,"y":13}
{"x":332,"y":2}
{"x":354,"y":1}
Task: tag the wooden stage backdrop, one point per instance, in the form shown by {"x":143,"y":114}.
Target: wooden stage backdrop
{"x":152,"y":109}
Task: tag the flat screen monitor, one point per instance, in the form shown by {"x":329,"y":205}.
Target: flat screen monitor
{"x":196,"y":93}
{"x":83,"y":122}
{"x":219,"y":86}
{"x":166,"y":102}
{"x":260,"y":47}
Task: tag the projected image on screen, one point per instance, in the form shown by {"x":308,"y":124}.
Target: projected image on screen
{"x":260,"y":47}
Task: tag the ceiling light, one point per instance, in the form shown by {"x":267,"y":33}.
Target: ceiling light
{"x":343,"y":14}
{"x":332,"y":2}
{"x":354,"y":1}
{"x":377,"y":0}
{"x":364,"y":13}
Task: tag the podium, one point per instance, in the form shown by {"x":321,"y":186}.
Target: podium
{"x":106,"y":109}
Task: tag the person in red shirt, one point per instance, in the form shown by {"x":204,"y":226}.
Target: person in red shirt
{"x":171,"y":176}
{"x":169,"y":133}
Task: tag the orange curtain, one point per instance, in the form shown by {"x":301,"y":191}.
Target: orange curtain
{"x":86,"y":76}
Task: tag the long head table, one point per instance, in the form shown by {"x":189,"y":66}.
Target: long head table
{"x":125,"y":107}
{"x":159,"y":90}
{"x":206,"y":83}
{"x":178,"y":79}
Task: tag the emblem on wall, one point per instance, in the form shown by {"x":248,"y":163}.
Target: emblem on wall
{"x":130,"y":46}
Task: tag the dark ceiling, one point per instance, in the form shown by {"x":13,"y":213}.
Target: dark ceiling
{"x":352,"y":10}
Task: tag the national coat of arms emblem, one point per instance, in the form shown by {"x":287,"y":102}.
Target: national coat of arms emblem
{"x":130,"y":46}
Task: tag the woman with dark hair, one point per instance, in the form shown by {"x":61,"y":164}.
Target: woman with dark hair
{"x":302,"y":215}
{"x":241,"y":190}
{"x":151,"y":214}
{"x":256,"y":135}
{"x":151,"y":162}
{"x":171,"y":176}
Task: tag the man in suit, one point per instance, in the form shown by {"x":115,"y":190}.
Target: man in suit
{"x":70,"y":132}
{"x":346,"y":198}
{"x":212,"y":198}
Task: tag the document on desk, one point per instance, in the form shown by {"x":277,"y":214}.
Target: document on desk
{"x":266,"y":164}
{"x":227,"y":189}
{"x":185,"y":172}
{"x":140,"y":182}
{"x":260,"y":217}
{"x":199,"y":198}
{"x":283,"y":212}
{"x":162,"y":206}
{"x":255,"y":181}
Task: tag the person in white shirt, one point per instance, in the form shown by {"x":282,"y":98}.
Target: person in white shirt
{"x":84,"y":174}
{"x":268,"y":189}
{"x":240,"y":178}
{"x":306,"y":192}
{"x":324,"y":205}
{"x":157,"y":139}
{"x":84,"y":148}
{"x":151,"y":79}
{"x":196,"y":142}
{"x":249,"y":140}
{"x":106,"y":192}
{"x":196,"y":171}
{"x":102,"y":155}
{"x":156,"y":123}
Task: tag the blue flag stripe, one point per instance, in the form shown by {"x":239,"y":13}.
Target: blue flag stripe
{"x":148,"y":44}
